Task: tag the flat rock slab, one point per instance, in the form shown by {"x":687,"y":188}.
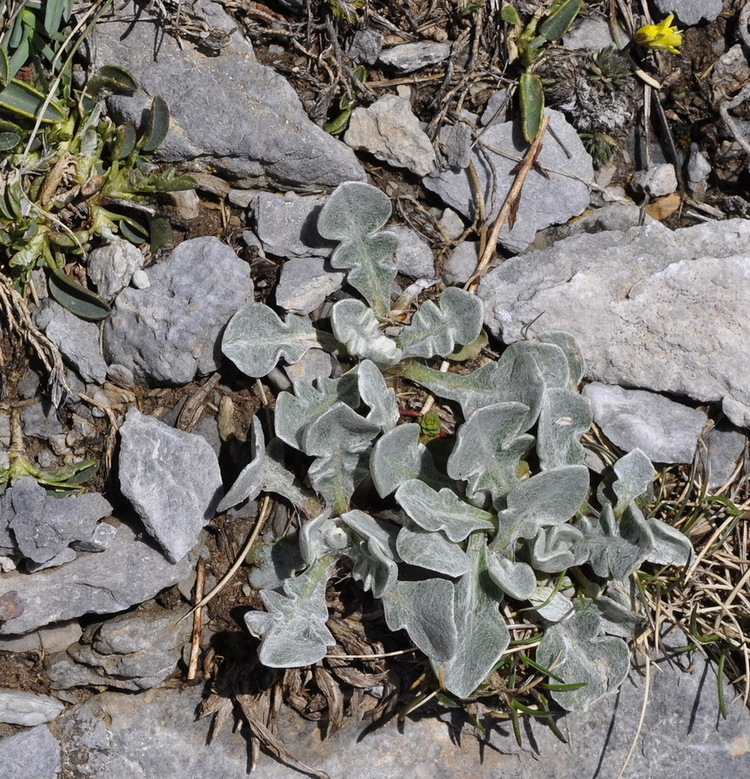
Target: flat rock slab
{"x":545,"y":200}
{"x":168,"y":333}
{"x":229,"y":113}
{"x":34,"y":752}
{"x":172,"y":478}
{"x":127,"y":573}
{"x":156,"y":734}
{"x":651,"y":308}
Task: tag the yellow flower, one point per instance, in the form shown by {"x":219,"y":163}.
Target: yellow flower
{"x":660,"y":36}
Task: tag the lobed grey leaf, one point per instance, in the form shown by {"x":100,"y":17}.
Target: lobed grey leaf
{"x":321,"y":536}
{"x":513,"y":577}
{"x":431,"y":550}
{"x":256,"y":339}
{"x":293,"y":628}
{"x":633,"y":475}
{"x":337,"y":439}
{"x":352,"y":215}
{"x":437,"y":329}
{"x":376,"y":394}
{"x":553,"y":548}
{"x":250,"y":481}
{"x":482,"y":633}
{"x":569,"y":346}
{"x":488,"y":450}
{"x":549,"y":498}
{"x":671,"y":547}
{"x":575,"y":651}
{"x":442,"y":511}
{"x":294,"y":412}
{"x":398,"y":456}
{"x":564,"y":417}
{"x":373,"y":551}
{"x":615,"y":549}
{"x":551,"y":605}
{"x":425,"y":609}
{"x":355,"y":326}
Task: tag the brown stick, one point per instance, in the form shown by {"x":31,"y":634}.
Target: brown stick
{"x":510,"y":200}
{"x":195,"y":644}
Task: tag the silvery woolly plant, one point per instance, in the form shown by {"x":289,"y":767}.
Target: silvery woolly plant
{"x":503,"y":516}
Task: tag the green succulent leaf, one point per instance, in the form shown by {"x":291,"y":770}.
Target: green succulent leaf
{"x":436,"y":329}
{"x":75,"y":297}
{"x":158,"y":125}
{"x":531,"y":94}
{"x":482,"y":633}
{"x":256,"y":339}
{"x":23,"y":99}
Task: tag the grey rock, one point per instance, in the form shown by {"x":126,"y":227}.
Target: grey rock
{"x":64,"y":556}
{"x":451,"y":224}
{"x":314,"y":364}
{"x":169,"y":332}
{"x":129,"y":572}
{"x":304,"y":283}
{"x":366,"y":46}
{"x":591,"y":33}
{"x":101,"y":538}
{"x":657,"y":181}
{"x":389,"y":130}
{"x":229,"y":113}
{"x":111,"y":267}
{"x":667,"y":432}
{"x":140,"y":279}
{"x":4,"y":431}
{"x":157,"y":734}
{"x":172,"y":479}
{"x":28,"y":384}
{"x":691,"y":11}
{"x":30,"y":754}
{"x":650,"y":308}
{"x":286,"y":225}
{"x":698,"y":170}
{"x":47,"y":640}
{"x":455,"y":145}
{"x":27,"y":708}
{"x":133,"y":651}
{"x":493,"y":111}
{"x":724,"y":447}
{"x":43,"y":525}
{"x":414,"y":257}
{"x":39,"y":420}
{"x":408,"y":57}
{"x":462,"y":263}
{"x":545,"y":201}
{"x":77,"y":339}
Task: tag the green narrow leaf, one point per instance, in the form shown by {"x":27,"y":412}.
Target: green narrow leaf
{"x":532,"y":105}
{"x":21,"y":98}
{"x":561,"y":16}
{"x":158,"y":125}
{"x":5,"y":74}
{"x":53,"y":14}
{"x":9,"y":141}
{"x":75,"y":297}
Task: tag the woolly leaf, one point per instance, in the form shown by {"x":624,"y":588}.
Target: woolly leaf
{"x":256,"y":339}
{"x":432,"y":551}
{"x":398,"y":456}
{"x":436,"y":329}
{"x":633,"y":473}
{"x":293,"y":628}
{"x":549,"y":498}
{"x":671,"y":547}
{"x":553,"y":548}
{"x":337,"y":439}
{"x":442,"y":510}
{"x":352,"y":215}
{"x":294,"y":412}
{"x":373,"y":551}
{"x":425,"y":610}
{"x":489,"y":448}
{"x":355,"y":326}
{"x":482,"y":633}
{"x":575,"y":651}
{"x":321,"y":536}
{"x":513,"y":577}
{"x":378,"y":396}
{"x":563,"y":418}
